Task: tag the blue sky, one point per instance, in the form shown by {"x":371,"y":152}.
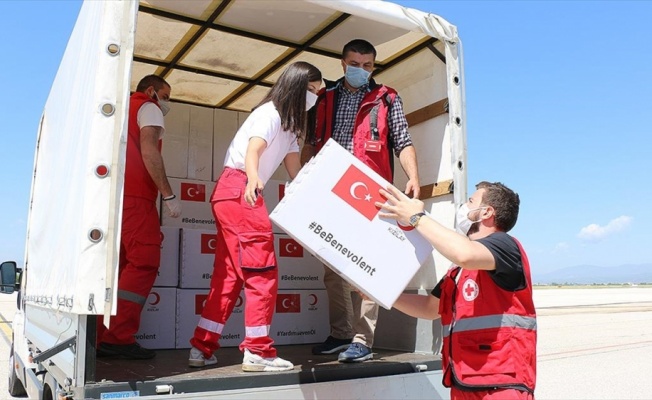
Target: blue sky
{"x":559,"y":98}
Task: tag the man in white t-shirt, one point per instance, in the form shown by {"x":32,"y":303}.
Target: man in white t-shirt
{"x":140,"y":241}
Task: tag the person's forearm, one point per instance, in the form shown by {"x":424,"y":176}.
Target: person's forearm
{"x":457,"y":248}
{"x":408,"y":159}
{"x":156,"y":168}
{"x":251,"y":164}
{"x":292,"y":164}
{"x":418,"y":306}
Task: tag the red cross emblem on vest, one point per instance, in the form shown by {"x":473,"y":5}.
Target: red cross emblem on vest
{"x":470,"y":290}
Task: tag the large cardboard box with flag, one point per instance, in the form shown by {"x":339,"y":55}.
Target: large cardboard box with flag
{"x":329,"y":209}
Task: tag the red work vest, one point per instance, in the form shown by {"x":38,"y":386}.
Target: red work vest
{"x":370,"y":124}
{"x":489,"y":333}
{"x":138,"y":182}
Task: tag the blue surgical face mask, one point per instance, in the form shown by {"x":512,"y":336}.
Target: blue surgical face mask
{"x":356,"y":76}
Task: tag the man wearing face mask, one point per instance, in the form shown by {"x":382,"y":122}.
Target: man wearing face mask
{"x":367,"y":119}
{"x":484,"y":301}
{"x":140,"y":241}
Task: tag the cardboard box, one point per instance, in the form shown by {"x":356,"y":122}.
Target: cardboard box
{"x":301,"y":316}
{"x":175,"y":140}
{"x":190,"y":304}
{"x":188,"y":142}
{"x":297,"y":268}
{"x":329,"y":209}
{"x":168,"y":272}
{"x":157,"y":318}
{"x":200,"y":144}
{"x":197,"y":257}
{"x":225,"y":126}
{"x":195,"y":199}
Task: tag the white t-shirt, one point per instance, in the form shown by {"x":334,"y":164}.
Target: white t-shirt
{"x":150,"y":115}
{"x":264,"y":122}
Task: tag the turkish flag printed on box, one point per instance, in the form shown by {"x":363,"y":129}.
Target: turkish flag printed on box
{"x":193,"y":192}
{"x":208,"y":243}
{"x":289,"y":248}
{"x":288,"y":303}
{"x":359,"y":191}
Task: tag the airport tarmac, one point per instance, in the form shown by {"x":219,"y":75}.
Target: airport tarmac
{"x":593,"y":343}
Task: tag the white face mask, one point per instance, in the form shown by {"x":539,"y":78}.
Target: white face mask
{"x":462,"y":218}
{"x":311,"y":99}
{"x":164,"y":104}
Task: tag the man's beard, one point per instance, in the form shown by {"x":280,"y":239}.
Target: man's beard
{"x":473,"y":229}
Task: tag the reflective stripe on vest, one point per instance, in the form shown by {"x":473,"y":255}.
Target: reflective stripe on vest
{"x":131,"y":296}
{"x":493,"y":321}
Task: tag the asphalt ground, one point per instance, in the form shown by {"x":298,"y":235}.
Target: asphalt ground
{"x":593,"y":343}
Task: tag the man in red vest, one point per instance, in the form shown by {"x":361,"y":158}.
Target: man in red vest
{"x":140,"y":242}
{"x":485,"y":300}
{"x":367,"y":119}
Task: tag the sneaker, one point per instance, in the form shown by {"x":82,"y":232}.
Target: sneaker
{"x":356,"y":352}
{"x":132,"y":351}
{"x":197,"y":359}
{"x":331,"y":345}
{"x":255,"y":363}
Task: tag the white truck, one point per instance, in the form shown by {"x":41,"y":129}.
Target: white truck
{"x":220,"y":57}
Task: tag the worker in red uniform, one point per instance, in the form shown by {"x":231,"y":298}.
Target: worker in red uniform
{"x":140,"y":241}
{"x":484,"y":301}
{"x":244,"y":254}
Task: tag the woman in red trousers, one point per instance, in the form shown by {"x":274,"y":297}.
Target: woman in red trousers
{"x":244,"y":254}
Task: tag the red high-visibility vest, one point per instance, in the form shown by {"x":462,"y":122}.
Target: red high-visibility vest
{"x":370,"y":124}
{"x":489,"y":333}
{"x":138,"y":182}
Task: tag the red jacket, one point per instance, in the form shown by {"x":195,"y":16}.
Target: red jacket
{"x":489,"y":333}
{"x":138,"y":182}
{"x":370,"y":124}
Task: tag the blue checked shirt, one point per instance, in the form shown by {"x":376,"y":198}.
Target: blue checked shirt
{"x":347,"y":107}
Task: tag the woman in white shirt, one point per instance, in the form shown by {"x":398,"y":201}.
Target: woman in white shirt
{"x":244,"y":253}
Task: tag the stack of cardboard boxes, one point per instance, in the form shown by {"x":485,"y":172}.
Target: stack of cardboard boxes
{"x":194,"y":147}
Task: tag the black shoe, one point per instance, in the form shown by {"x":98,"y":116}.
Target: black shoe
{"x":131,"y":351}
{"x":331,"y":345}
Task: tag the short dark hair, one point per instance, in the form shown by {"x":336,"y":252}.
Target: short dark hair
{"x":151,"y":80}
{"x":359,"y":46}
{"x":504,"y":201}
{"x":289,"y":95}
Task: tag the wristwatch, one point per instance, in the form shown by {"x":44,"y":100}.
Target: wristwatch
{"x":414,"y":220}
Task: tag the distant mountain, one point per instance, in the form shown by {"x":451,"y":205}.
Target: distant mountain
{"x":588,"y":274}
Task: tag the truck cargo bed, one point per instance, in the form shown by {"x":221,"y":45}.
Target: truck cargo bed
{"x":170,"y":367}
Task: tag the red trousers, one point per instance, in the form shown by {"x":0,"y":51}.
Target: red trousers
{"x":140,"y":258}
{"x":498,"y":394}
{"x":244,"y":256}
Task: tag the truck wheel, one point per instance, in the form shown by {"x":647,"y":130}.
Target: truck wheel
{"x":15,"y":386}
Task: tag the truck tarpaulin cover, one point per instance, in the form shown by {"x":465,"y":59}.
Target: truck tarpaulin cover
{"x":221,"y":54}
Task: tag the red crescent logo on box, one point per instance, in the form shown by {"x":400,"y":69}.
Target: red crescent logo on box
{"x":359,"y":191}
{"x":208,"y":243}
{"x":200,"y":301}
{"x":193,"y":192}
{"x":238,"y":302}
{"x":288,"y":303}
{"x":281,"y":191}
{"x":289,"y":248}
{"x":157,"y":298}
{"x":313,"y":299}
